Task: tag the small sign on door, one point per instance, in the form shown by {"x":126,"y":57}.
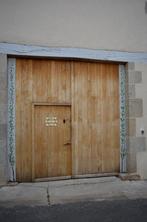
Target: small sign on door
{"x":51,"y":121}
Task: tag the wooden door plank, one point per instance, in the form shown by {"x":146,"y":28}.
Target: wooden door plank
{"x":23,"y":118}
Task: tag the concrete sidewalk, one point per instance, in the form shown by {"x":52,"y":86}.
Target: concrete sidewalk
{"x":68,"y":191}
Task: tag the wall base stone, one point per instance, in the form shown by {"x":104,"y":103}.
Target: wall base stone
{"x":136,"y":144}
{"x":142,"y":164}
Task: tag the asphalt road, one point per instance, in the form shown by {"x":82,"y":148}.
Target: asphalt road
{"x":105,"y":211}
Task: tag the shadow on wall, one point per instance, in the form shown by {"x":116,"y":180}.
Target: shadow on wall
{"x":145,"y":7}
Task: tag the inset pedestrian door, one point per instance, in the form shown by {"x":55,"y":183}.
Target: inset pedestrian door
{"x":51,"y":141}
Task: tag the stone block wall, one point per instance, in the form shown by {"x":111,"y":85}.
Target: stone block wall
{"x":136,"y":141}
{"x":3,"y":119}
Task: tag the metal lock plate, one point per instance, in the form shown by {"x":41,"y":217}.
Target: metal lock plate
{"x":51,"y":121}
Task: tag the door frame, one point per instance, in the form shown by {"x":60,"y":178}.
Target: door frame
{"x":12,"y":118}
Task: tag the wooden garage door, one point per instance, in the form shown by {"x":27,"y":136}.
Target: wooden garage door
{"x":91,"y":90}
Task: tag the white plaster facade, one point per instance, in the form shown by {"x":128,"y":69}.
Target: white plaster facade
{"x":118,"y":25}
{"x":94,"y":24}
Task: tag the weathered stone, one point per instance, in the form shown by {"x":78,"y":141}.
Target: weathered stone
{"x":1,"y":151}
{"x":142,"y":164}
{"x":3,"y":114}
{"x":3,"y":157}
{"x":131,"y":162}
{"x":127,"y":108}
{"x":3,"y":144}
{"x":131,"y":91}
{"x":3,"y":81}
{"x":138,"y":77}
{"x":132,"y":127}
{"x":3,"y":63}
{"x":131,"y":76}
{"x":135,"y":144}
{"x":135,"y":108}
{"x":3,"y":131}
{"x":134,"y":77}
{"x":3,"y":177}
{"x":3,"y":97}
{"x":130,"y":66}
{"x":129,"y":176}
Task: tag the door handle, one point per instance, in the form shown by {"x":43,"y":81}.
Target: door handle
{"x":68,"y":143}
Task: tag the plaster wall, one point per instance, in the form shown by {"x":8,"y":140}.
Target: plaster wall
{"x":94,"y":24}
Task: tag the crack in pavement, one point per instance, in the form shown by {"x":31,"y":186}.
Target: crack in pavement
{"x":48,"y":196}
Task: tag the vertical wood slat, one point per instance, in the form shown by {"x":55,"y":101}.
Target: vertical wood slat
{"x":18,"y":123}
{"x":33,"y":145}
{"x":23,"y":120}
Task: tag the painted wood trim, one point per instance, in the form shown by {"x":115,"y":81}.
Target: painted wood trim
{"x":74,"y":163}
{"x":75,"y":53}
